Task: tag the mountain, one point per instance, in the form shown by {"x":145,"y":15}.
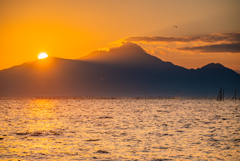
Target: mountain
{"x":126,"y":71}
{"x":128,"y":55}
{"x":237,"y":71}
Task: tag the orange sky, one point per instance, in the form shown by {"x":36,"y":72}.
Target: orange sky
{"x":73,"y":28}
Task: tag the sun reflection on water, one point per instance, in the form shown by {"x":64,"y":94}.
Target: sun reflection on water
{"x":40,"y":112}
{"x":40,"y":127}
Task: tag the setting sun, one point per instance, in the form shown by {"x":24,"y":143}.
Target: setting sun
{"x":42,"y":56}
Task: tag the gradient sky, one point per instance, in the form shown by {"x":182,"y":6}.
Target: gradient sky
{"x":207,"y":30}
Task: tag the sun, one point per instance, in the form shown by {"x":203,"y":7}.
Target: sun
{"x":42,"y":56}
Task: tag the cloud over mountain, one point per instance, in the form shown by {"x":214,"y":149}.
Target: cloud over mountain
{"x":230,"y":37}
{"x":192,"y":51}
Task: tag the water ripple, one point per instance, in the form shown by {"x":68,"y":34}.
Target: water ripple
{"x":119,"y":129}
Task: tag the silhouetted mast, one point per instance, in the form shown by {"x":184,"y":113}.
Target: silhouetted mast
{"x":223,"y":95}
{"x":220,"y":96}
{"x":235,"y":95}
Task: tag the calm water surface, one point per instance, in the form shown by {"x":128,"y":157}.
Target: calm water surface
{"x":119,"y":129}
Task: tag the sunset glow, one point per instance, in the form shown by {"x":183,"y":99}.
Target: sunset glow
{"x":42,"y":56}
{"x":119,"y":80}
{"x":73,"y":29}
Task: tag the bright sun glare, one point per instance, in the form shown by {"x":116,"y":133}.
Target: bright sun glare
{"x":42,"y":56}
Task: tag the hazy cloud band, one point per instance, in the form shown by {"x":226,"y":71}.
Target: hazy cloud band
{"x":227,"y":42}
{"x":232,"y":37}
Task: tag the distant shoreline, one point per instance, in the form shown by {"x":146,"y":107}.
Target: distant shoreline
{"x":111,"y":98}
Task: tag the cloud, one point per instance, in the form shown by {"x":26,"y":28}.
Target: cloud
{"x":233,"y":48}
{"x":191,"y":51}
{"x":219,"y":42}
{"x":155,"y":39}
{"x":228,"y":37}
{"x":162,"y":52}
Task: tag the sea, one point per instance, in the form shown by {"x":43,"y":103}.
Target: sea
{"x":162,"y":129}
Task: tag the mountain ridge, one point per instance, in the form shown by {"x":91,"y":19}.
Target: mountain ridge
{"x":127,"y":71}
{"x":129,"y":54}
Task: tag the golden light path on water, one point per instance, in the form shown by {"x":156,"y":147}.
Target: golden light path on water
{"x":119,"y":129}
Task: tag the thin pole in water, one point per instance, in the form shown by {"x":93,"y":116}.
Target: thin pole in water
{"x":220,"y":94}
{"x":223,"y":94}
{"x":235,"y":95}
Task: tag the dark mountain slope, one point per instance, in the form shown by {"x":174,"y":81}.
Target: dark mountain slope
{"x":128,"y":55}
{"x":201,"y":82}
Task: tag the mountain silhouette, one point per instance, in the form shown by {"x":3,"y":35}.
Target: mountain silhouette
{"x":126,"y":71}
{"x":128,"y":55}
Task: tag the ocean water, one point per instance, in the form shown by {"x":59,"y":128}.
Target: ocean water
{"x":119,"y":129}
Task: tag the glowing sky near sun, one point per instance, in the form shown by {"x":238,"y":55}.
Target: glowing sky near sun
{"x":42,"y":56}
{"x":71,"y":29}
